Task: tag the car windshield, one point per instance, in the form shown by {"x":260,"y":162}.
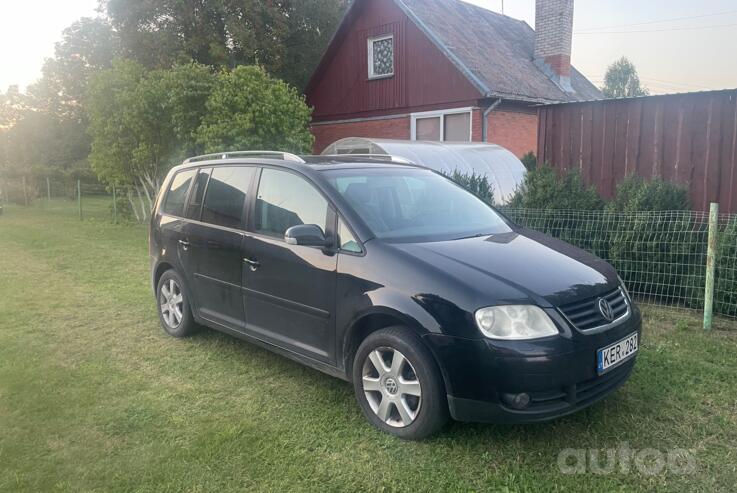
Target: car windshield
{"x":414,"y":204}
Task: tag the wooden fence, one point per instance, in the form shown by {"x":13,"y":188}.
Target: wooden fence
{"x":683,"y":138}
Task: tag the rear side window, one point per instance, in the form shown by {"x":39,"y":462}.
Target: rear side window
{"x":177,"y":193}
{"x":226,"y":195}
{"x":194,"y":207}
{"x":285,"y":200}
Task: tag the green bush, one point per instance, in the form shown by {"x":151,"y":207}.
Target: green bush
{"x":477,"y":184}
{"x":530,"y":161}
{"x":548,"y":191}
{"x":657,"y":253}
{"x":725,"y":288}
{"x":545,"y":188}
{"x":637,"y":194}
{"x":661,"y":254}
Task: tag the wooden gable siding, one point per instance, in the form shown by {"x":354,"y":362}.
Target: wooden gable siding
{"x":689,"y":139}
{"x":423,"y":76}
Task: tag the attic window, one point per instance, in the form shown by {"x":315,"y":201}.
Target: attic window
{"x":381,"y":56}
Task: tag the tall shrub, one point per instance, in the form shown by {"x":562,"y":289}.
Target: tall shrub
{"x":475,"y":183}
{"x":635,"y":193}
{"x":529,"y":160}
{"x":545,"y":188}
{"x":548,"y":192}
{"x":658,"y":253}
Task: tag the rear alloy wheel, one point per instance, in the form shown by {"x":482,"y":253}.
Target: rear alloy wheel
{"x":171,"y":304}
{"x":398,"y":384}
{"x":174,"y":311}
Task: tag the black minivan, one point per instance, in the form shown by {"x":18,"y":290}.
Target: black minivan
{"x":390,"y":276}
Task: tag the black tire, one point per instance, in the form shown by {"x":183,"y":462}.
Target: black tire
{"x":431,"y":411}
{"x":185,"y":325}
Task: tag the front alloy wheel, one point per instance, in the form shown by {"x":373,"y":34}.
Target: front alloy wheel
{"x":391,"y":387}
{"x":398,"y":384}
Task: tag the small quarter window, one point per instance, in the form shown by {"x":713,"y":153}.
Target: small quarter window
{"x":194,"y":209}
{"x":177,"y":194}
{"x":346,"y":240}
{"x":381,"y":56}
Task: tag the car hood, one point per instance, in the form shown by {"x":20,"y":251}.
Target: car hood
{"x":532,"y":263}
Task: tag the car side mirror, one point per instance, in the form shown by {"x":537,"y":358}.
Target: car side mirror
{"x":306,"y":235}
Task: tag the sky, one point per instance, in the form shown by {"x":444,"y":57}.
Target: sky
{"x":676,"y":45}
{"x":688,"y":54}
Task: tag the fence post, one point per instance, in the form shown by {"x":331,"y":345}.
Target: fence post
{"x":25,"y":193}
{"x":79,"y":198}
{"x":115,"y":206}
{"x":711,"y":254}
{"x":48,"y":189}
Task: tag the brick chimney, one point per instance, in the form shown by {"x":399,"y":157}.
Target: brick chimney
{"x":553,"y":36}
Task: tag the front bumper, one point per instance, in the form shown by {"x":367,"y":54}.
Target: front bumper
{"x":558,"y":373}
{"x":545,"y":405}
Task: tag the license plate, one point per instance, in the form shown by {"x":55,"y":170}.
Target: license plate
{"x":616,"y":354}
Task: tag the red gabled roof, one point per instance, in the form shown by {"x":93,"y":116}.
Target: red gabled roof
{"x":478,"y":42}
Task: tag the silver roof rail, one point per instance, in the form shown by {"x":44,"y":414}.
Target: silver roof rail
{"x":285,"y":156}
{"x":383,"y":157}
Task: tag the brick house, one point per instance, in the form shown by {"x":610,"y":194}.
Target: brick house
{"x":443,"y":70}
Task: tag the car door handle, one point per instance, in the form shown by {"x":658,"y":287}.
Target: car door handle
{"x":185,"y":245}
{"x":253,"y":264}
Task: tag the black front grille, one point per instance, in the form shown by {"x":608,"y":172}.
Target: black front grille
{"x":581,"y":393}
{"x":585,"y":315}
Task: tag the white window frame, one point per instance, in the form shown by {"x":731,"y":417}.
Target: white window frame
{"x":442,"y":114}
{"x":371,"y":42}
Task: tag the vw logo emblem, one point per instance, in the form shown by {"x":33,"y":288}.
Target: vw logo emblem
{"x":391,"y":386}
{"x":606,"y":310}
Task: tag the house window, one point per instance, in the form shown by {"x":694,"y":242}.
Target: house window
{"x":381,"y":57}
{"x":442,"y":126}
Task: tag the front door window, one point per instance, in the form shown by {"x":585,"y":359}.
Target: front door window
{"x":285,"y":200}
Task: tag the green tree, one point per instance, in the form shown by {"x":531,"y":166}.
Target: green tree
{"x":128,"y":125}
{"x":250,"y":110}
{"x":87,"y":47}
{"x":188,"y":87}
{"x":287,"y":37}
{"x":144,"y":122}
{"x":13,"y":104}
{"x":311,"y":24}
{"x":621,"y":80}
{"x":50,"y":115}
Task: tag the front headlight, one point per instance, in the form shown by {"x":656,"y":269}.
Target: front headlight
{"x":514,"y":322}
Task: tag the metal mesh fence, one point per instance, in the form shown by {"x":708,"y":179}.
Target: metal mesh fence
{"x":661,"y":256}
{"x":85,"y":200}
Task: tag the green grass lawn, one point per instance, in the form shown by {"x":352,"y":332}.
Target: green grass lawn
{"x":94,"y":396}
